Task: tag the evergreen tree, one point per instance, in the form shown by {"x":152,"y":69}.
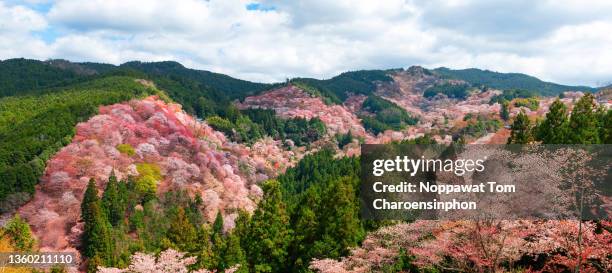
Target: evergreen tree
{"x":218,"y":224}
{"x":554,"y":129}
{"x":605,"y":127}
{"x":583,"y":122}
{"x":306,"y":234}
{"x":112,"y":202}
{"x":269,"y":233}
{"x":504,"y":113}
{"x":204,"y":250}
{"x":91,"y":196}
{"x":340,"y":214}
{"x":182,"y":233}
{"x":218,"y":248}
{"x":521,"y":130}
{"x":97,"y":236}
{"x":234,"y":254}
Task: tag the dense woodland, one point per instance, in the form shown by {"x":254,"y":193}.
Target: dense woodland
{"x":384,"y":115}
{"x":587,"y":124}
{"x":506,"y":81}
{"x":455,"y":91}
{"x":338,"y":88}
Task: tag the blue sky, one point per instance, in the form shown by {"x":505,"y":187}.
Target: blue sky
{"x":565,"y":41}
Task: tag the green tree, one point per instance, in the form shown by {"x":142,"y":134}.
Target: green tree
{"x":504,"y":112}
{"x":91,"y":196}
{"x":97,"y":235}
{"x":204,"y":250}
{"x":112,"y":202}
{"x":218,"y":224}
{"x":20,"y":234}
{"x":182,"y":233}
{"x":554,"y":129}
{"x":583,"y":122}
{"x":521,"y":130}
{"x":234,"y":254}
{"x":340,"y":213}
{"x":269,"y":232}
{"x":605,"y":127}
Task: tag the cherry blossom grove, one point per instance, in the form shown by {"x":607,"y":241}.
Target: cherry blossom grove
{"x":480,"y":246}
{"x":127,"y":137}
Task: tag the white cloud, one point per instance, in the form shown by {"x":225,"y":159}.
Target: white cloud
{"x":564,"y":41}
{"x":16,"y":26}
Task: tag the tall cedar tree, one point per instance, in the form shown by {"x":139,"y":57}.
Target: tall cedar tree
{"x":112,"y":202}
{"x":340,"y":214}
{"x":97,"y":237}
{"x":204,"y":251}
{"x":605,"y":127}
{"x":234,"y":254}
{"x":269,"y":234}
{"x":583,"y":122}
{"x":182,"y":233}
{"x":91,"y":196}
{"x":554,"y":129}
{"x":505,"y":113}
{"x":521,"y":130}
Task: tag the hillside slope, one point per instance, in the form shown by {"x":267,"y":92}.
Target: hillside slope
{"x":34,"y":127}
{"x":163,"y":149}
{"x":506,"y":81}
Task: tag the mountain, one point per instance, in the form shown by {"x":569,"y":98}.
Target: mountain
{"x":505,"y":81}
{"x":141,"y":157}
{"x":21,"y":75}
{"x":42,"y":101}
{"x":34,"y":127}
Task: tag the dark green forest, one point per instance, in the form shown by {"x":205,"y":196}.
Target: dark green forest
{"x":455,"y":91}
{"x":384,"y":115}
{"x":504,"y":81}
{"x":337,"y":89}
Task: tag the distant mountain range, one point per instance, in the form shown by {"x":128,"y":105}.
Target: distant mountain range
{"x":19,"y":76}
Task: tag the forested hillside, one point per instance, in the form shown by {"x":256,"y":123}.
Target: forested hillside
{"x":34,"y":127}
{"x":217,"y":173}
{"x":503,"y":81}
{"x":20,"y":75}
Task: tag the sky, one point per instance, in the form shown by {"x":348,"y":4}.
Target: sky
{"x":564,"y":41}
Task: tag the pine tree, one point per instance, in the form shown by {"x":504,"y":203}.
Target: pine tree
{"x":504,"y":113}
{"x":605,"y":127}
{"x":204,"y":250}
{"x":91,"y":196}
{"x":97,"y":236}
{"x":306,"y":234}
{"x":583,"y":122}
{"x":554,"y":129}
{"x":218,"y":224}
{"x":182,"y":233}
{"x":521,"y":130}
{"x":234,"y":254}
{"x":112,"y":203}
{"x":340,"y":212}
{"x":269,"y":233}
